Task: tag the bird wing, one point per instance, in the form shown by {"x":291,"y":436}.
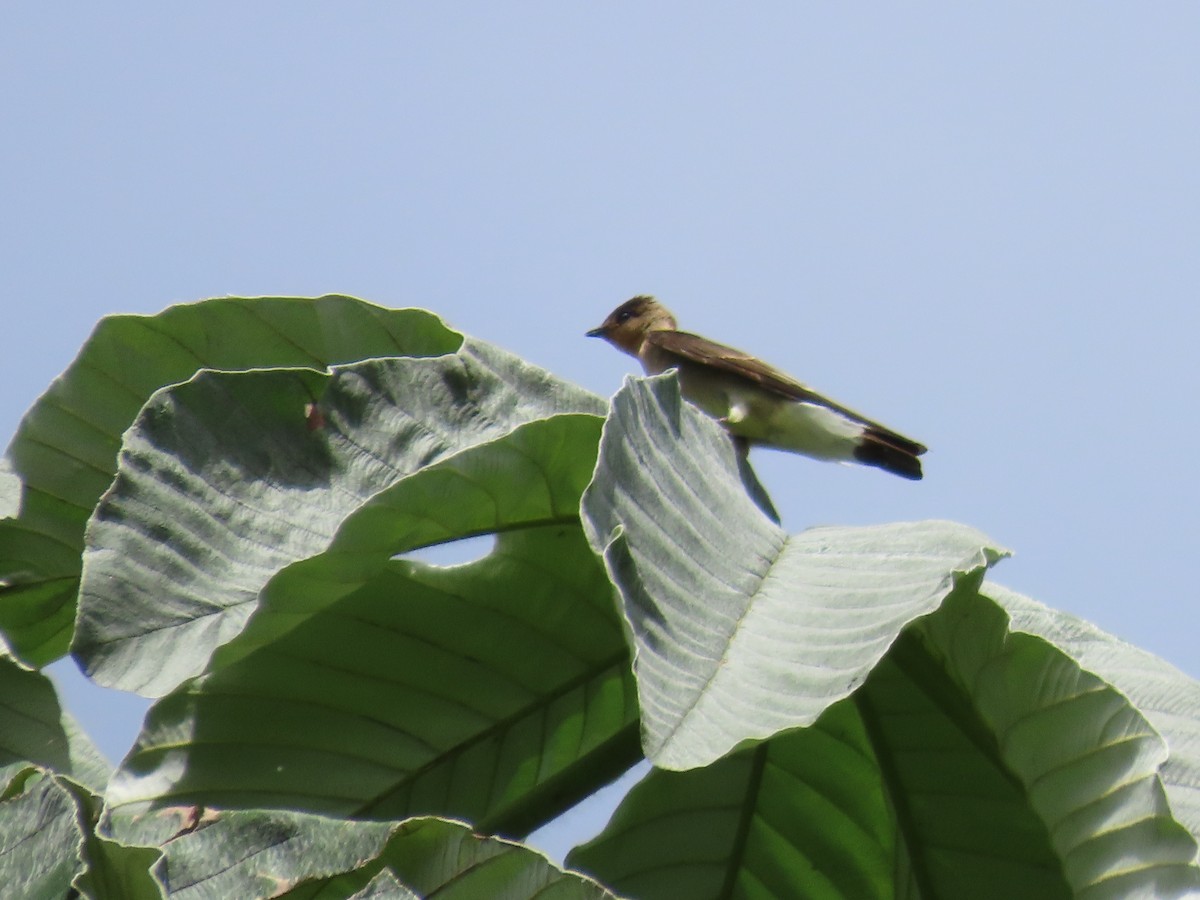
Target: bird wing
{"x":700,"y":350}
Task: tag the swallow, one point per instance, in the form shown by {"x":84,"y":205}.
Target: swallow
{"x":755,"y":402}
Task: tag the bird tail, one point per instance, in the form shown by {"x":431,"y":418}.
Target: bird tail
{"x":889,"y":451}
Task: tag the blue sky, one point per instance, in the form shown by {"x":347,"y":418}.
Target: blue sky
{"x":979,"y":225}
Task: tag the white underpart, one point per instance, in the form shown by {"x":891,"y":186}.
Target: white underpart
{"x":810,"y":429}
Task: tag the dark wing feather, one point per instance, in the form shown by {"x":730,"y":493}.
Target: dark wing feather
{"x":696,"y":349}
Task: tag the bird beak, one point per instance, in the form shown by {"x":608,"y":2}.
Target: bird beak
{"x":596,"y":332}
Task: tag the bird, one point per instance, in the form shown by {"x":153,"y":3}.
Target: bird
{"x":757,"y":404}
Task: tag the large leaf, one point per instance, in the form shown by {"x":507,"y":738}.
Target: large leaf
{"x":1089,"y":761}
{"x":973,"y":762}
{"x":50,"y":777}
{"x":948,"y":757}
{"x":113,"y":870}
{"x":255,"y":854}
{"x":362,"y":684}
{"x":801,"y":815}
{"x":65,"y":450}
{"x":444,"y":859}
{"x":497,"y":691}
{"x":740,"y":629}
{"x":203,"y":512}
{"x":41,"y":841}
{"x":304,"y":857}
{"x":1169,"y":699}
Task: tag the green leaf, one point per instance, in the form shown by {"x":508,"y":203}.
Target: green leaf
{"x":444,"y":859}
{"x":975,"y":761}
{"x":812,"y":813}
{"x":1118,"y":787}
{"x":65,"y":450}
{"x":202,"y":513}
{"x":40,"y":839}
{"x":1169,"y":699}
{"x":964,"y":825}
{"x":34,"y":730}
{"x":113,"y":870}
{"x":117,"y":871}
{"x":50,"y":776}
{"x":497,"y":691}
{"x":266,"y":854}
{"x":801,"y":815}
{"x":88,"y":767}
{"x":740,"y":629}
{"x":284,"y":854}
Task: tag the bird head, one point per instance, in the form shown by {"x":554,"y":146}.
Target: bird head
{"x":627,"y":325}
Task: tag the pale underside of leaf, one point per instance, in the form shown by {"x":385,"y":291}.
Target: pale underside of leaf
{"x":741,"y":630}
{"x":65,"y":450}
{"x":203,"y":511}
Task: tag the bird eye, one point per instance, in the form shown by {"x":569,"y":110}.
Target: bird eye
{"x":624,"y":316}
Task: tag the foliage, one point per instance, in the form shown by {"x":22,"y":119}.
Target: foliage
{"x":224,"y":507}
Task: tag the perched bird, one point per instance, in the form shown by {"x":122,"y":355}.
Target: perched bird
{"x":754,"y":401}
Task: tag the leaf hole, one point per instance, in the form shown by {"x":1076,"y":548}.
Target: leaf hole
{"x":454,"y":553}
